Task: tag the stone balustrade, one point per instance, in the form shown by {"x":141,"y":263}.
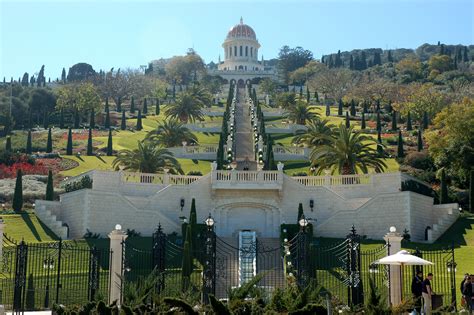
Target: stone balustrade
{"x":282,"y":153}
{"x":158,"y":179}
{"x":200,"y":152}
{"x":247,"y":180}
{"x":338,"y":180}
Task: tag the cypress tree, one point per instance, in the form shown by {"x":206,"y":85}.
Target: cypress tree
{"x":17,"y":203}
{"x":145,"y":106}
{"x":8,"y":144}
{"x":30,"y":294}
{"x":379,"y":144}
{"x":123,"y":124}
{"x":193,"y":214}
{"x":271,"y":164}
{"x":328,"y":110}
{"x":157,"y":109}
{"x":268,"y":162}
{"x":394,"y":120}
{"x":49,"y":143}
{"x":379,"y":124}
{"x":110,"y":148}
{"x":132,"y":105}
{"x":420,"y":141}
{"x":300,"y":212}
{"x":29,"y":149}
{"x":76,"y":118}
{"x":353,"y":108}
{"x":61,"y":119}
{"x":45,"y":120}
{"x":425,"y":120}
{"x":443,"y":196}
{"x":316,"y":95}
{"x":49,"y":187}
{"x":107,"y":115}
{"x":365,"y":107}
{"x":409,"y":126}
{"x":92,"y":120}
{"x":348,"y":122}
{"x":119,"y":104}
{"x":400,"y":151}
{"x":471,"y":190}
{"x":351,"y":63}
{"x":362,"y":123}
{"x":377,"y":104}
{"x":69,"y":143}
{"x":187,"y":262}
{"x":308,"y":96}
{"x":339,"y":109}
{"x":389,"y":56}
{"x":139,"y":120}
{"x":89,"y":143}
{"x":301,"y":91}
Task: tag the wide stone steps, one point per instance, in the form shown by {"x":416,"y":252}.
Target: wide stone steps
{"x":443,"y":224}
{"x":52,"y":222}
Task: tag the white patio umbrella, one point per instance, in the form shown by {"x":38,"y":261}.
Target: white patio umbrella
{"x":402,"y":258}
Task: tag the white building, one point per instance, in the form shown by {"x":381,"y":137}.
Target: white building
{"x":241,"y":57}
{"x":258,"y":201}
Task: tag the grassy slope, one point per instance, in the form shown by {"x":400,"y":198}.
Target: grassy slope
{"x":27,"y":227}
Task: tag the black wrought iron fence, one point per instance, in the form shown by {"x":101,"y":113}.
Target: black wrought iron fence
{"x":37,"y":275}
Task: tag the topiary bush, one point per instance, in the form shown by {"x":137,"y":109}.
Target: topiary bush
{"x":195,"y":173}
{"x":420,"y":160}
{"x":83,"y":182}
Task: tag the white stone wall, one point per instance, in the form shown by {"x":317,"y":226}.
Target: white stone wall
{"x":372,"y":208}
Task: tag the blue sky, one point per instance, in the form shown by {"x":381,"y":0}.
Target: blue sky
{"x":125,"y":34}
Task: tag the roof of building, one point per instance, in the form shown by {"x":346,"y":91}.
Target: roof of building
{"x":241,"y":30}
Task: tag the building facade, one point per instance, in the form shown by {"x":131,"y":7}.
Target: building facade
{"x":241,"y":63}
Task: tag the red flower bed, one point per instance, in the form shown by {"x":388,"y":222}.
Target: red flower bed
{"x":84,"y":134}
{"x":27,"y":169}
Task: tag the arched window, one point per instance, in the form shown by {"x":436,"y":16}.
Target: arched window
{"x":246,"y":51}
{"x":235,"y":51}
{"x":241,"y":50}
{"x":251,"y":51}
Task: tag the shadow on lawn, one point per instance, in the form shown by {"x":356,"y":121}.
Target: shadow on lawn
{"x":27,"y":219}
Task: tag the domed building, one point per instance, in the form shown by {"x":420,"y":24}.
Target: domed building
{"x":241,"y":56}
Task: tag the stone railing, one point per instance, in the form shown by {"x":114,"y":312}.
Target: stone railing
{"x":284,"y":128}
{"x":200,"y":152}
{"x":158,"y":179}
{"x":247,"y":179}
{"x":282,"y":153}
{"x":338,"y":180}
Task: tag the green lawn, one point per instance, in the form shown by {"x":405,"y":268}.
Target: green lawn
{"x":27,"y":227}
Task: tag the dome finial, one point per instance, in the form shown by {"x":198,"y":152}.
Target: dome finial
{"x":241,"y":20}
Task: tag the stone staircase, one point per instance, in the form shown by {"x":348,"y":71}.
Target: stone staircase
{"x":50,"y":219}
{"x":268,"y":260}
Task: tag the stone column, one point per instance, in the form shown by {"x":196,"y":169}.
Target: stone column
{"x":117,"y":236}
{"x":395,"y":240}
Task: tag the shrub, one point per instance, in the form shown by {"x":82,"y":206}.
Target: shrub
{"x":83,"y":182}
{"x":419,"y":160}
{"x":90,"y":234}
{"x":414,"y":186}
{"x":300,"y":174}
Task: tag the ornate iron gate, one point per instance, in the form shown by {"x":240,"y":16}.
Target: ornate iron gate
{"x":36,"y":275}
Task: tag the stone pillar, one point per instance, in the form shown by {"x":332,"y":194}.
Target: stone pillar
{"x":2,"y":229}
{"x":117,"y":236}
{"x":394,"y":239}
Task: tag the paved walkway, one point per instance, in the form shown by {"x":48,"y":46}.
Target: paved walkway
{"x":243,"y":135}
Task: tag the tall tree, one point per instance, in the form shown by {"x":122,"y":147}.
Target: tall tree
{"x":394,"y":120}
{"x":300,"y":211}
{"x":8,"y":144}
{"x":81,"y":72}
{"x":69,"y":143}
{"x":92,"y":119}
{"x":353,"y":108}
{"x":420,"y":140}
{"x":107,"y":115}
{"x":328,"y":110}
{"x":110,"y":148}
{"x":425,"y":120}
{"x":290,"y":59}
{"x":339,"y":108}
{"x":49,"y":187}
{"x":187,"y":262}
{"x":389,"y":56}
{"x":29,"y":148}
{"x":409,"y":125}
{"x":400,"y":150}
{"x":49,"y":143}
{"x":377,"y":59}
{"x":348,"y":122}
{"x":443,"y":195}
{"x":379,"y":123}
{"x":45,"y":120}
{"x":123,"y":124}
{"x":89,"y":143}
{"x":17,"y":203}
{"x":63,"y":76}
{"x":139,"y":120}
{"x":362,"y":123}
{"x":41,"y":80}
{"x":25,"y":80}
{"x":308,"y":95}
{"x":380,"y":149}
{"x":77,"y":119}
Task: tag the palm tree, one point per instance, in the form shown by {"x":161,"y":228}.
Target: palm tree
{"x":189,"y":104}
{"x":147,"y":158}
{"x":348,"y":153}
{"x":171,"y":133}
{"x":319,"y":132}
{"x":300,"y":113}
{"x":286,"y":100}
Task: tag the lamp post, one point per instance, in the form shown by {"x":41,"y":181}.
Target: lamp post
{"x":209,"y":279}
{"x":302,"y":254}
{"x":48,"y":264}
{"x":451,"y":267}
